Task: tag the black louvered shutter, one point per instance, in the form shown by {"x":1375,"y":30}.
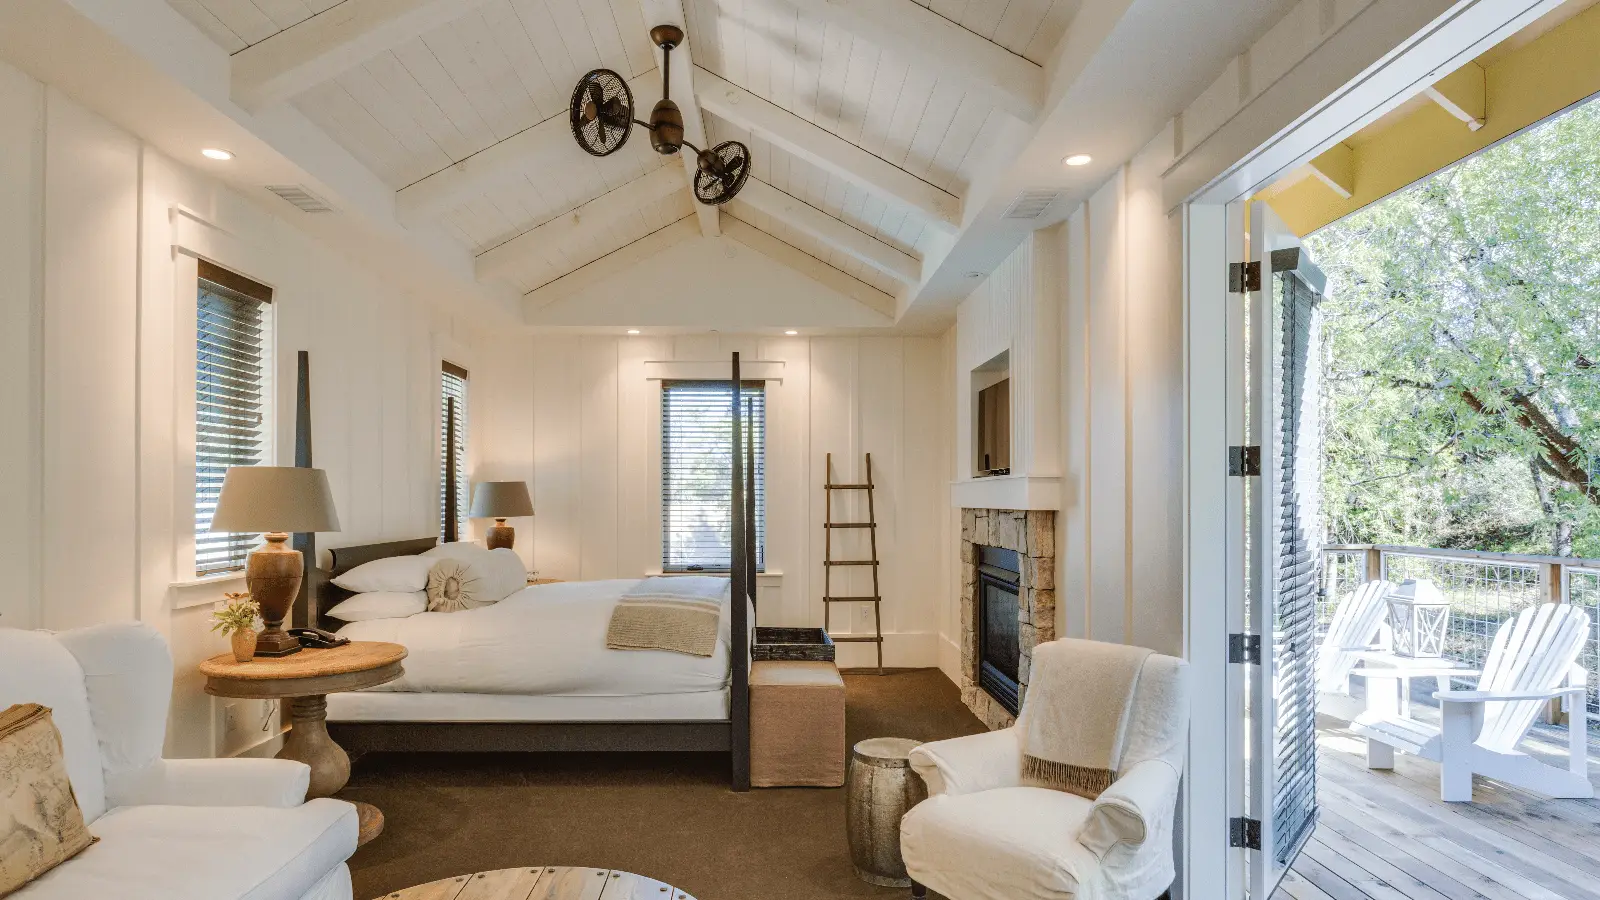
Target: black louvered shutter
{"x":452,"y":387}
{"x":231,"y":354}
{"x":1294,"y":615}
{"x":696,"y":486}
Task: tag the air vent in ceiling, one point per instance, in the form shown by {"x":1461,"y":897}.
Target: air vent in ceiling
{"x":301,"y":198}
{"x":1031,"y":204}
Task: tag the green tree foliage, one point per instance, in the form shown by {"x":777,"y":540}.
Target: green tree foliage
{"x":1461,"y":363}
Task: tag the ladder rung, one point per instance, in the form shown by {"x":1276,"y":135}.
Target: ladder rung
{"x":848,"y":487}
{"x":850,"y":599}
{"x":851,"y":562}
{"x":855,"y":640}
{"x":850,"y":525}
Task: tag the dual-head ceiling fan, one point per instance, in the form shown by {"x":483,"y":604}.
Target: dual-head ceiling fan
{"x":602,"y":119}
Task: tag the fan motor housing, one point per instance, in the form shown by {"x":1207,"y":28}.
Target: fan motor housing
{"x":666,"y":128}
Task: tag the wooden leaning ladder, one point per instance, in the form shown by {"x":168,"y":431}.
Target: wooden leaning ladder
{"x":871,"y":525}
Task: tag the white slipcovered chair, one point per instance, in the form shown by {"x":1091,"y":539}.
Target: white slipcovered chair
{"x":181,"y":829}
{"x":981,"y":835}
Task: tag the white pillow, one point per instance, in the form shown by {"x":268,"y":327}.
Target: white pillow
{"x":380,"y":605}
{"x":470,"y":580}
{"x":405,"y":574}
{"x":458,"y":550}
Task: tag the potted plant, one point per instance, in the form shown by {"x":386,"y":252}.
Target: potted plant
{"x":237,"y":621}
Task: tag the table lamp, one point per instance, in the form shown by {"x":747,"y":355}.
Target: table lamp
{"x":499,"y":500}
{"x":276,"y":500}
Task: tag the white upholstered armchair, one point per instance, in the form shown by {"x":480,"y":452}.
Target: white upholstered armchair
{"x":169,"y":829}
{"x":981,"y":835}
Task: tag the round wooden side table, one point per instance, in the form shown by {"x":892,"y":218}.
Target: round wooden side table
{"x":542,"y":882}
{"x":305,"y":680}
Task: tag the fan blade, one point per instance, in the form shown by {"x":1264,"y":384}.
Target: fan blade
{"x":597,"y":96}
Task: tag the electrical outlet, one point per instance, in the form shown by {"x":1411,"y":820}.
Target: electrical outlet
{"x":230,"y":718}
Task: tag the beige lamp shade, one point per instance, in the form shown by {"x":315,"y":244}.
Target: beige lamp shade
{"x":501,"y":500}
{"x":275,"y":499}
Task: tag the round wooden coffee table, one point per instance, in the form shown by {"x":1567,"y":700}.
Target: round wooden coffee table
{"x":543,"y":883}
{"x":305,"y":679}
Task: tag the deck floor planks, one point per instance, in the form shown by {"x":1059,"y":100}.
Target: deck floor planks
{"x":1388,"y":836}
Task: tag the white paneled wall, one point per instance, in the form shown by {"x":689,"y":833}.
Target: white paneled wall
{"x":596,"y":441}
{"x":98,"y":240}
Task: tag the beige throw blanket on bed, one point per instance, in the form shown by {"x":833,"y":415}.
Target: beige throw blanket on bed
{"x":1076,"y":715}
{"x":680,"y":614}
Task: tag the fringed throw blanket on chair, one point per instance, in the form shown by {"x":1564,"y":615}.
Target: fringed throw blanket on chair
{"x":680,"y":613}
{"x":1078,"y":753}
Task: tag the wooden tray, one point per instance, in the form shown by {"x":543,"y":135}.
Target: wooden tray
{"x":793,"y":644}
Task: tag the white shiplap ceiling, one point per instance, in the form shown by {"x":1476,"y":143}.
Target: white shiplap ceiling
{"x":497,"y":69}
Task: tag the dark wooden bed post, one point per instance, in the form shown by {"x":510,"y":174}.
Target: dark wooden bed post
{"x":451,"y":510}
{"x":302,"y":615}
{"x":740,"y":596}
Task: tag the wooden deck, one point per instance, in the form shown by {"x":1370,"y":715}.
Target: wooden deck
{"x":1388,"y":836}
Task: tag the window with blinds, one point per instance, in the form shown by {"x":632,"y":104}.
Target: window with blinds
{"x":696,"y":472}
{"x":231,"y":403}
{"x":452,"y":450}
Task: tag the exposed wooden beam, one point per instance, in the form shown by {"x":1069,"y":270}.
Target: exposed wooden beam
{"x":859,"y":245}
{"x":526,"y":151}
{"x":583,"y":223}
{"x":930,"y":41}
{"x":586,"y":276}
{"x":1336,"y":168}
{"x":1462,"y":94}
{"x":828,"y":151}
{"x":670,"y":12}
{"x":332,"y":42}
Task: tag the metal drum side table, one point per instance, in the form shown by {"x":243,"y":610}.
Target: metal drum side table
{"x":881,"y":788}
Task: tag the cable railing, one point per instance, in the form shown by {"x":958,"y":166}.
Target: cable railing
{"x":1485,"y":589}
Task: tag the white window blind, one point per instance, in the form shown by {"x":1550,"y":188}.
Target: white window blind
{"x":453,"y":386}
{"x":231,"y":396}
{"x":696,"y":476}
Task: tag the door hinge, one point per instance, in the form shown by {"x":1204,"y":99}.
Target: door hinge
{"x":1244,"y":833}
{"x":1244,"y":648}
{"x":1244,"y":277}
{"x":1244,"y":461}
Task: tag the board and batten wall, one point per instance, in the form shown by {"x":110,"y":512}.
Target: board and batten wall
{"x":596,"y":468}
{"x":98,"y":240}
{"x":1118,"y":355}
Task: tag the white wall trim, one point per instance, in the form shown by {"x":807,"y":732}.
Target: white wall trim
{"x":712,"y":370}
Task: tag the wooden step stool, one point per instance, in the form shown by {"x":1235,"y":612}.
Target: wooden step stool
{"x":796,"y":724}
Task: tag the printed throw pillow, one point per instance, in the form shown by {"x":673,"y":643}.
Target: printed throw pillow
{"x":41,"y":826}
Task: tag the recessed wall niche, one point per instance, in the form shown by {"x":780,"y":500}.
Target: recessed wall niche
{"x":991,"y":416}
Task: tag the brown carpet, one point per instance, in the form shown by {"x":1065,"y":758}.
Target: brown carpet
{"x":669,"y":816}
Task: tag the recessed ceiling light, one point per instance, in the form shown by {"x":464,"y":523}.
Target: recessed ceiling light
{"x":217,"y":153}
{"x":791,"y":332}
{"x":1078,"y":159}
{"x":633,"y":331}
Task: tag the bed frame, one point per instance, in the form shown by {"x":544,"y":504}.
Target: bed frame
{"x":731,"y":735}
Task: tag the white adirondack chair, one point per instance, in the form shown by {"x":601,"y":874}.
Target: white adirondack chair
{"x":1533,"y":660}
{"x":1358,"y":627}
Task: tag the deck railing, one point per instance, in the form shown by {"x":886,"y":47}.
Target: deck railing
{"x":1484,"y":588}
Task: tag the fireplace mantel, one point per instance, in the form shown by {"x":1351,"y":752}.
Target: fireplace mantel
{"x":1022,"y":492}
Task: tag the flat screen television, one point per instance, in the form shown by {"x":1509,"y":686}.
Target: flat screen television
{"x":994,"y":428}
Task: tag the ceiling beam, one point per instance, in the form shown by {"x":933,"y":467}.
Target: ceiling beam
{"x":828,"y":151}
{"x":857,"y":244}
{"x":1336,"y":168}
{"x":811,"y":267}
{"x":330,"y":43}
{"x":1463,"y":94}
{"x":582,"y":224}
{"x":516,"y":156}
{"x":670,"y":12}
{"x":930,"y":41}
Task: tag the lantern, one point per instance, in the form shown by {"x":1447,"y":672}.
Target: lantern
{"x":1420,"y":616}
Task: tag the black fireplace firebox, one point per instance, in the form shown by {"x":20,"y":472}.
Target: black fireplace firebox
{"x":999,"y":638}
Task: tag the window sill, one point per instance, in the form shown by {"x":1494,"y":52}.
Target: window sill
{"x":770,"y":576}
{"x":205,"y":590}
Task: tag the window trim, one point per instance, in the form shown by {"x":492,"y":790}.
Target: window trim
{"x":666,"y":385}
{"x":448,"y":369}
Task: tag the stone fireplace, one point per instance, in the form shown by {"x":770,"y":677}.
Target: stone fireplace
{"x":1031,"y":535}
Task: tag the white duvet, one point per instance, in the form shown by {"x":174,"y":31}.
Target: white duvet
{"x":547,"y":639}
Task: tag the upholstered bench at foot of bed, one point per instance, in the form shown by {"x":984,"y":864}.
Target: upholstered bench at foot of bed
{"x":796,"y":724}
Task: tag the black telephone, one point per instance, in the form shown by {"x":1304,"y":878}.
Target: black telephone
{"x":316,"y":637}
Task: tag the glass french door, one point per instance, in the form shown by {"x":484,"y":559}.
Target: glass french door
{"x":1282,"y":552}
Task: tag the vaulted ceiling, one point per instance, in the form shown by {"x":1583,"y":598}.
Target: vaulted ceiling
{"x":867,"y":121}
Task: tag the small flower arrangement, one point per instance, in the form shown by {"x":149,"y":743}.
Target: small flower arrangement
{"x":237,"y":621}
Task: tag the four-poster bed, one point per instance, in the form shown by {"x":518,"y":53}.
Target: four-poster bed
{"x":500,"y":722}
